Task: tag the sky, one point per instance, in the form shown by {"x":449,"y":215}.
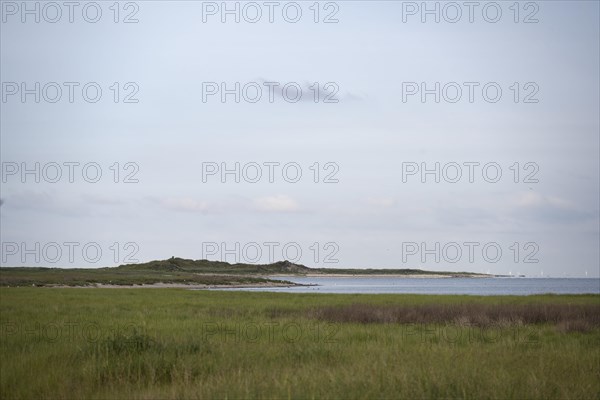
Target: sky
{"x":346,"y":134}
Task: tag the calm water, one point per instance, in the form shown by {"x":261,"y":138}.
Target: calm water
{"x":473,"y":286}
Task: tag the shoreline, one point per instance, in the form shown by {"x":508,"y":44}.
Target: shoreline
{"x":163,"y":285}
{"x":435,"y":276}
{"x":197,"y":286}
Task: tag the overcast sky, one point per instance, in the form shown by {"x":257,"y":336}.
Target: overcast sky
{"x":372,"y":130}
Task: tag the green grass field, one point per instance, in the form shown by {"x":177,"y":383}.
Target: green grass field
{"x":174,"y":343}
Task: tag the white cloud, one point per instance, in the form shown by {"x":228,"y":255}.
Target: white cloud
{"x":277,"y":203}
{"x":535,"y":199}
{"x":381,"y":202}
{"x":185,"y":204}
{"x":101,"y":199}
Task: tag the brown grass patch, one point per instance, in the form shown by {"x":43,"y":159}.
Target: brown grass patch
{"x":567,"y":317}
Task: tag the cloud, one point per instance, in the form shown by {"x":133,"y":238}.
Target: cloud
{"x":100,"y":199}
{"x":326,"y":91}
{"x":277,"y":203}
{"x":185,"y":204}
{"x":536,"y":206}
{"x":459,"y":216}
{"x":534,"y":199}
{"x":381,"y":202}
{"x":49,"y":201}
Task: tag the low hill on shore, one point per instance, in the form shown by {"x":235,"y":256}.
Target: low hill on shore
{"x":189,"y":272}
{"x":219,"y":267}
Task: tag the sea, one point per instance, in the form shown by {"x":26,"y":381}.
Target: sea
{"x":466,"y":286}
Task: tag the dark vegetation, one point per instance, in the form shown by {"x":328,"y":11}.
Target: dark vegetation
{"x":27,"y":276}
{"x":181,"y":271}
{"x":567,"y":317}
{"x":281,"y":267}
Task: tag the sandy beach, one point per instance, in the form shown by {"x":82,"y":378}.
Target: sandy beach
{"x":380,"y":276}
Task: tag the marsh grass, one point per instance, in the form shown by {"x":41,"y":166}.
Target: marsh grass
{"x":173,"y":343}
{"x":567,"y":317}
{"x":125,"y":276}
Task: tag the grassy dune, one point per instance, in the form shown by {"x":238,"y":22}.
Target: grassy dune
{"x":171,"y":343}
{"x":181,"y":271}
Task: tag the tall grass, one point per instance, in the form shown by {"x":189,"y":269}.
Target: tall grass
{"x":169,"y":343}
{"x":569,"y":317}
